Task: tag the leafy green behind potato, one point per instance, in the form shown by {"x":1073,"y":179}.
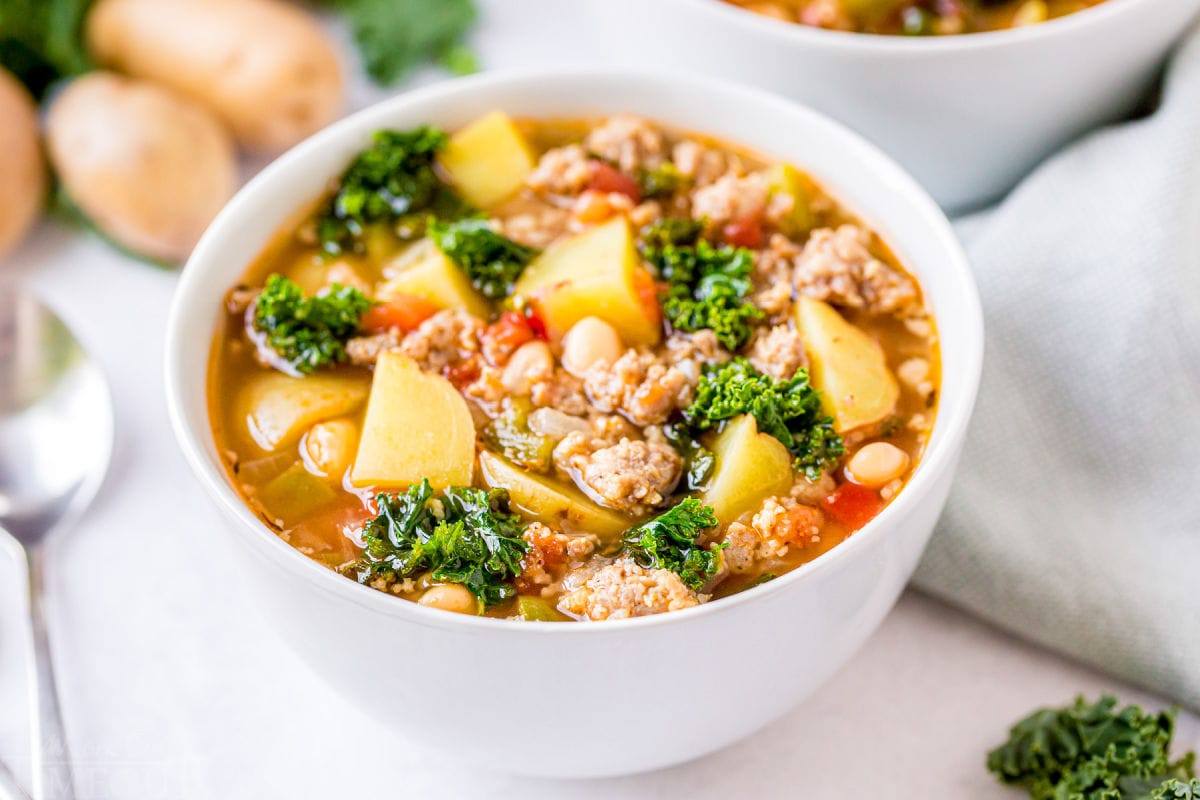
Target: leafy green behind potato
{"x":462,"y":535}
{"x":672,"y":541}
{"x":492,"y":261}
{"x":308,"y":332}
{"x":1094,"y":751}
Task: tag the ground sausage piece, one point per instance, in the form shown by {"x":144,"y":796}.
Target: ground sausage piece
{"x":538,"y":227}
{"x":837,"y":266}
{"x":623,"y":589}
{"x":730,"y":197}
{"x":638,"y":385}
{"x":550,"y":554}
{"x":773,"y":268}
{"x":779,"y":524}
{"x":443,"y":340}
{"x":577,"y":446}
{"x":365,"y":350}
{"x":627,"y":141}
{"x":778,"y":352}
{"x":563,"y":170}
{"x":632,"y":475}
{"x":561,"y":391}
{"x":701,"y":164}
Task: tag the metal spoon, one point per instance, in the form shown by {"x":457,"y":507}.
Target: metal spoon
{"x":56,"y":431}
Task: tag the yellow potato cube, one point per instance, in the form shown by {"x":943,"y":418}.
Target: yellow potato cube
{"x":594,"y":274}
{"x":553,"y":503}
{"x":750,"y":467}
{"x":848,"y":367}
{"x":487,"y":161}
{"x":417,"y":426}
{"x":424,"y":271}
{"x":278,"y":408}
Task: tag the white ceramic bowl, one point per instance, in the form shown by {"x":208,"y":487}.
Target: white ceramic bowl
{"x":612,"y":697}
{"x":967,"y":115}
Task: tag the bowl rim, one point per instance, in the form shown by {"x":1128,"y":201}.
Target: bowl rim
{"x":941,"y":454}
{"x":797,"y":33}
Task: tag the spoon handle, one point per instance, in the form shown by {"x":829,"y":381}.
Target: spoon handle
{"x":51,"y":757}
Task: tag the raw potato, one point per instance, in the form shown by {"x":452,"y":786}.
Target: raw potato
{"x":418,"y":426}
{"x":278,"y":408}
{"x":488,"y":160}
{"x":551,"y":503}
{"x":750,"y":467}
{"x":424,"y":271}
{"x":595,"y":274}
{"x":265,"y":67}
{"x":22,"y":171}
{"x":848,"y":367}
{"x":149,"y":168}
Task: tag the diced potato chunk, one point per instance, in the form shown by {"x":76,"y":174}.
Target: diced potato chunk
{"x":848,"y":367}
{"x":487,"y":161}
{"x":424,"y":271}
{"x":594,"y":274}
{"x":550,"y":502}
{"x":417,"y":426}
{"x":750,"y":467}
{"x":278,"y":408}
{"x":784,"y":179}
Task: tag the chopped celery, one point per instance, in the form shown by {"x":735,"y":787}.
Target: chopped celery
{"x":510,"y":435}
{"x":787,"y":180}
{"x":535,"y":609}
{"x":295,"y":493}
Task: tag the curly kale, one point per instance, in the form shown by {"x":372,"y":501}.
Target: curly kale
{"x":677,"y":231}
{"x":308,"y":332}
{"x":462,"y":535}
{"x":662,"y":181}
{"x":390,"y":181}
{"x":788,"y":410}
{"x":1094,"y":751}
{"x":707,"y":285}
{"x":672,"y":541}
{"x":698,"y":460}
{"x":492,"y":261}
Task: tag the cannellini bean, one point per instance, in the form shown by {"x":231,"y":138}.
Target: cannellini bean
{"x":1030,"y":13}
{"x":588,"y":342}
{"x":450,"y":597}
{"x":328,"y":448}
{"x":555,"y":424}
{"x":528,"y":363}
{"x":877,"y":464}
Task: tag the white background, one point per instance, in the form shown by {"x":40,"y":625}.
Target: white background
{"x":174,"y":688}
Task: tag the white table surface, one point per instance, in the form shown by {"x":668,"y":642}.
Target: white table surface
{"x":174,"y":688}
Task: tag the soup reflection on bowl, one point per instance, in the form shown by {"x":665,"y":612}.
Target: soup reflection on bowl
{"x":648,"y":380}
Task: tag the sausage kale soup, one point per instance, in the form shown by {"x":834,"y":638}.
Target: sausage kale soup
{"x":915,"y":17}
{"x":571,"y":371}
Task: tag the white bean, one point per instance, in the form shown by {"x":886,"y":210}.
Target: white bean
{"x":877,"y":464}
{"x":450,"y":597}
{"x":530,"y":362}
{"x":590,"y":341}
{"x":328,"y":448}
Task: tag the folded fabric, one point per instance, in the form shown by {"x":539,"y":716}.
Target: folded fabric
{"x":1075,"y":521}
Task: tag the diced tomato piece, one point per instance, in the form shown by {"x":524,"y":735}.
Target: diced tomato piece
{"x":744,"y":232}
{"x":853,"y":505}
{"x":536,"y":324}
{"x":607,"y":178}
{"x":404,"y":311}
{"x":463,"y":372}
{"x":504,"y":336}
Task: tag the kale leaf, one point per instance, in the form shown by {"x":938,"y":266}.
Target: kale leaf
{"x":396,"y":36}
{"x":672,"y":541}
{"x":41,"y":41}
{"x":788,"y":410}
{"x":391,"y":180}
{"x":462,"y":535}
{"x":490,"y":260}
{"x":677,"y":231}
{"x":1094,"y":751}
{"x":660,"y":182}
{"x":698,"y":460}
{"x":706,"y":285}
{"x":308,"y":332}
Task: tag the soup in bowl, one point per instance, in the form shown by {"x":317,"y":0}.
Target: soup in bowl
{"x":627,"y":381}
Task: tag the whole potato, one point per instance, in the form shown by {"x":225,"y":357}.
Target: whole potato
{"x":265,"y":67}
{"x":148,"y":167}
{"x":22,"y":171}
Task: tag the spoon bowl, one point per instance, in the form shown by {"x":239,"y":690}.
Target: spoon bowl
{"x":56,"y":433}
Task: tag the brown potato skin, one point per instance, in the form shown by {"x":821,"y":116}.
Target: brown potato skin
{"x":265,"y":67}
{"x":22,"y":168}
{"x":148,"y":167}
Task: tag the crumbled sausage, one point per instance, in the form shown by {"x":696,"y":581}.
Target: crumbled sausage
{"x":560,"y":390}
{"x":631,"y":475}
{"x":629,"y":142}
{"x":443,"y":340}
{"x":773,"y":274}
{"x":700,"y":348}
{"x":640,"y":386}
{"x":537,"y":227}
{"x":623,"y":589}
{"x":837,"y":266}
{"x":240,"y":298}
{"x":778,"y":352}
{"x":550,"y":554}
{"x":600,"y":432}
{"x":703,"y":165}
{"x":730,"y":197}
{"x":563,"y":170}
{"x":594,"y":207}
{"x":779,"y":524}
{"x":812,"y":492}
{"x":365,"y":350}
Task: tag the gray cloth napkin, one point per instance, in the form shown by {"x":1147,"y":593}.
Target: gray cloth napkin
{"x":1075,"y":521}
